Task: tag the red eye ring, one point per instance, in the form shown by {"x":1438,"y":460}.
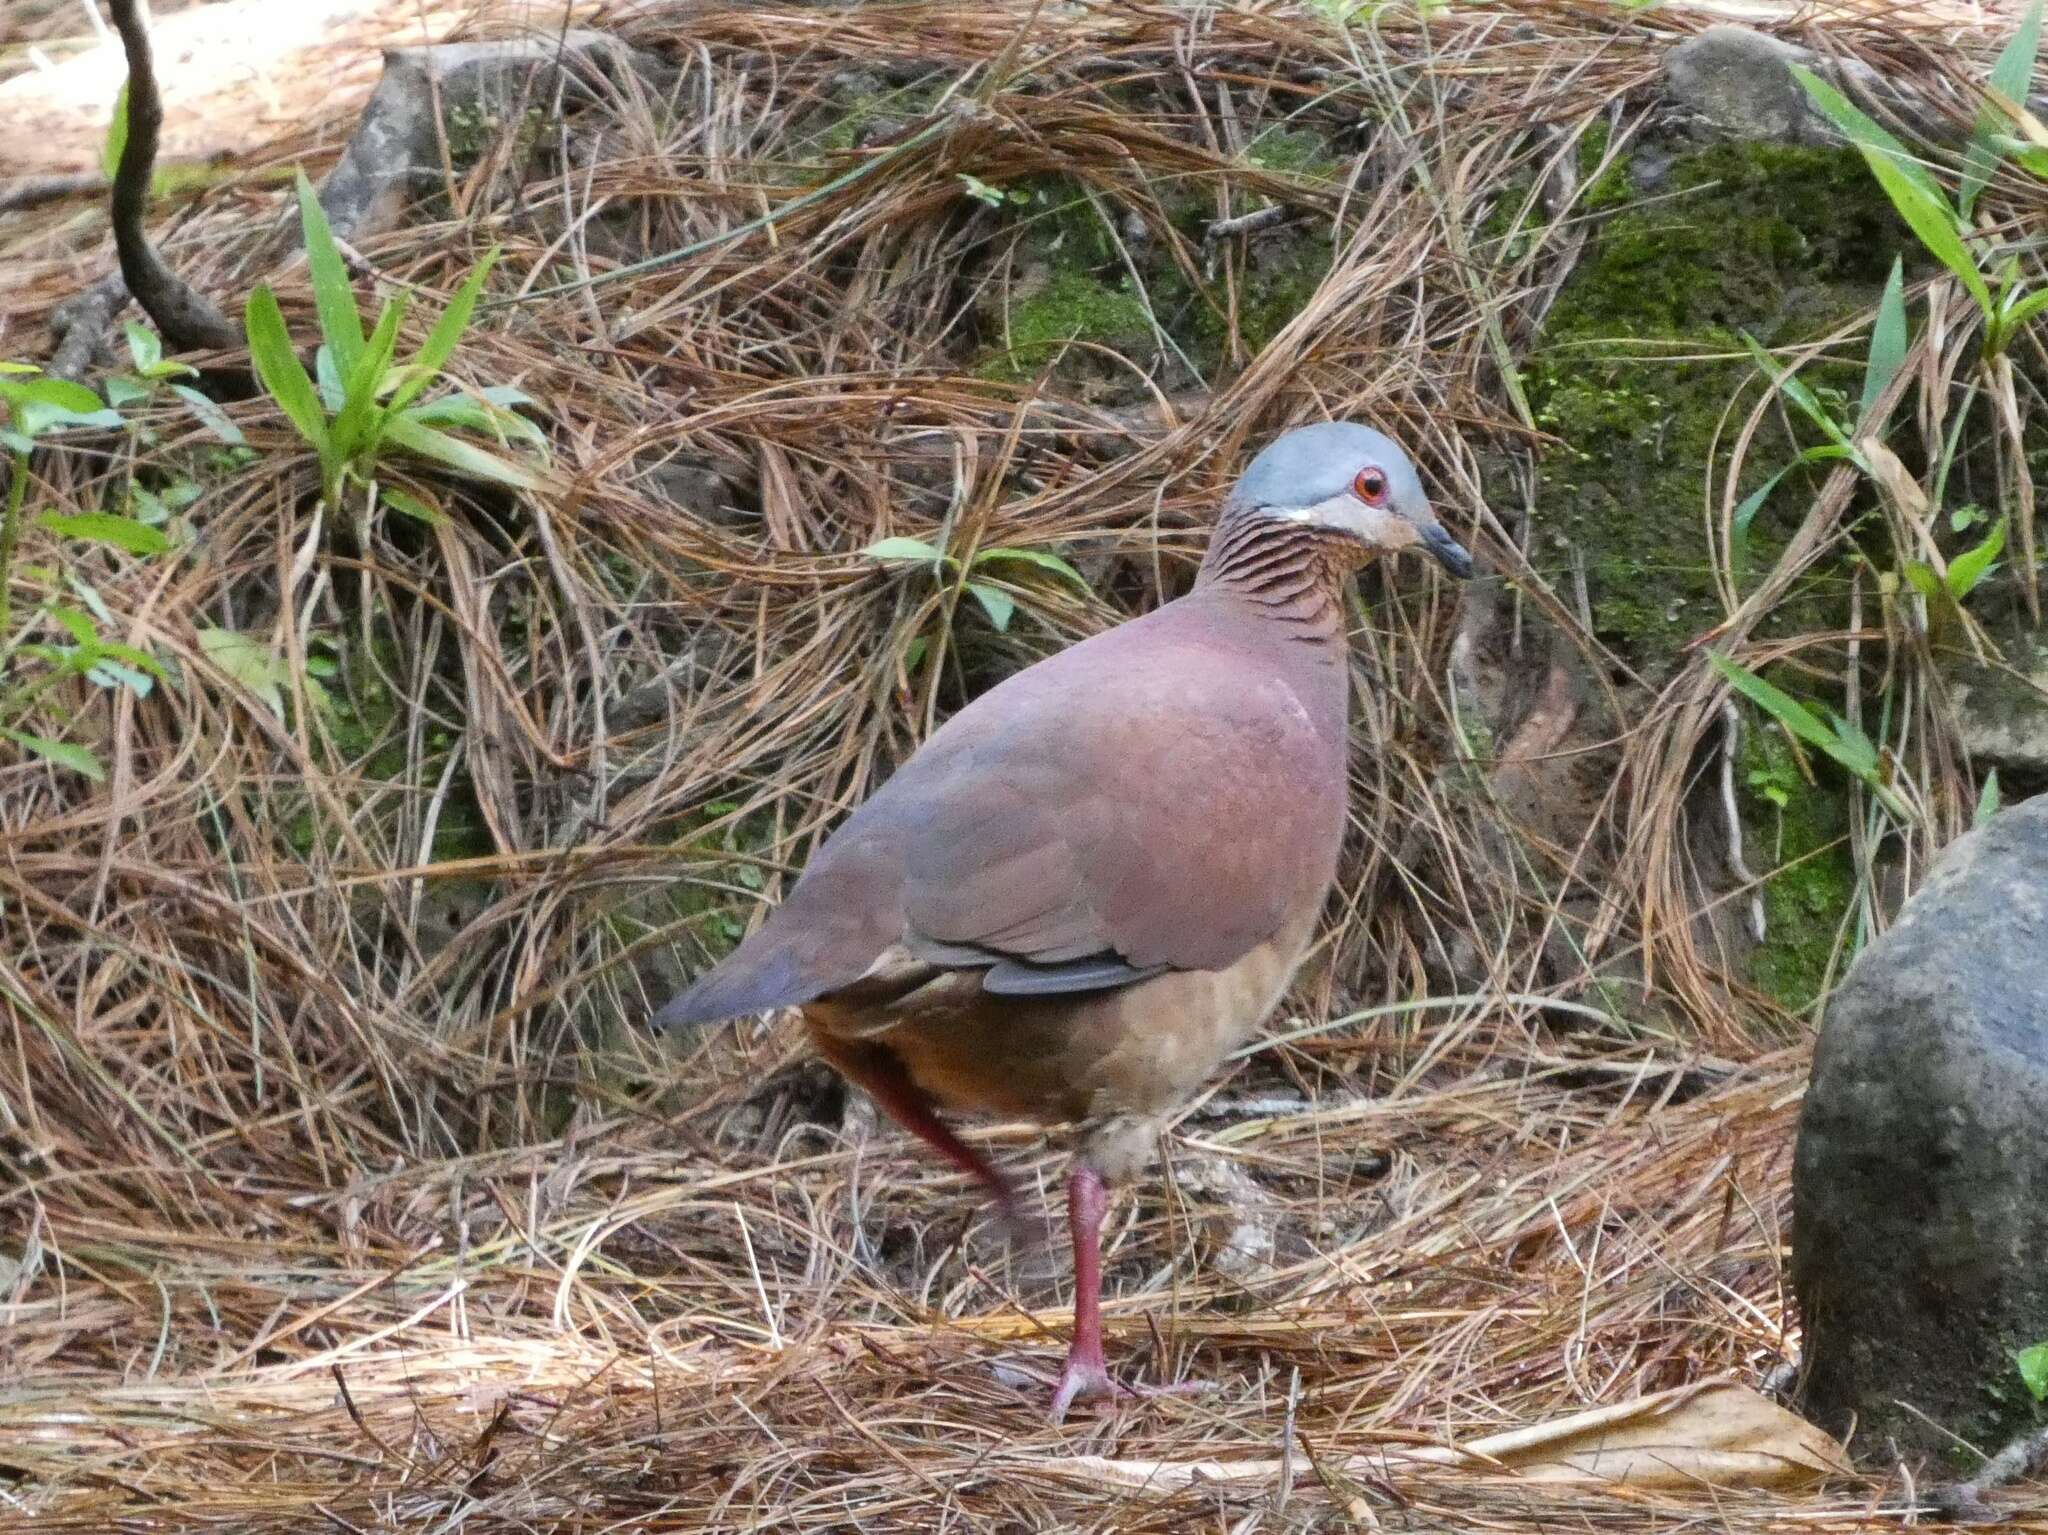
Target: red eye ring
{"x":1371,"y":485}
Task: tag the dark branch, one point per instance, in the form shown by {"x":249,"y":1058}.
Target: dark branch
{"x":187,"y":319}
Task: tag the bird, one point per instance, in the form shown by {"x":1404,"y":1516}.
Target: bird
{"x":1092,"y":883}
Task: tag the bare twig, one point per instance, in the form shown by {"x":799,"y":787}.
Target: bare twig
{"x":188,"y":319}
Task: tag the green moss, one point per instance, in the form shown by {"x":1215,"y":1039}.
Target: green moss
{"x":1643,"y":352}
{"x":1077,"y":283}
{"x":1294,"y":152}
{"x":1807,"y":899}
{"x":1071,"y":306}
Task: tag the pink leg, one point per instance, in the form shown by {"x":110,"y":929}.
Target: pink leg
{"x":1086,"y":1376}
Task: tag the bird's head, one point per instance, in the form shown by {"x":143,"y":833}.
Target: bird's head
{"x":1353,"y":481}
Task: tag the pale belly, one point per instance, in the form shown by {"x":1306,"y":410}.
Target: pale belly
{"x":1133,"y":1054}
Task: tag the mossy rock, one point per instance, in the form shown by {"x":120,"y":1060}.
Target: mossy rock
{"x":1643,"y":352}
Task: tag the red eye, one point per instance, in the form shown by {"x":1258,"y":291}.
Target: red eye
{"x":1371,"y":486}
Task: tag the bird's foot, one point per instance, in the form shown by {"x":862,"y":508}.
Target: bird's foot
{"x":1087,"y":1379}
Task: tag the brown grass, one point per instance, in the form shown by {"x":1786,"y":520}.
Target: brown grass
{"x":345,"y":1190}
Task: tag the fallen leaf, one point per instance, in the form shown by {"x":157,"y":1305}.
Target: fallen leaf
{"x":1716,"y":1433}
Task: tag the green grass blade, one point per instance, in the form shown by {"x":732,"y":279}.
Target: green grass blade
{"x":1044,"y":559}
{"x":1973,"y":564}
{"x":902,"y":551}
{"x":1905,"y":180}
{"x":340,"y":324}
{"x":355,"y":427}
{"x":2010,"y":76}
{"x":447,"y":331}
{"x":1864,"y":131}
{"x":270,"y":347}
{"x":1888,"y":339}
{"x":1930,"y":217}
{"x":1796,"y":391}
{"x":465,"y":458}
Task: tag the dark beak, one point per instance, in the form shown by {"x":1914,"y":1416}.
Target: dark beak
{"x":1448,"y":551}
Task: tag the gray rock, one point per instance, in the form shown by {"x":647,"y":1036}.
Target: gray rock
{"x":1920,"y":1184}
{"x":2001,"y":713}
{"x":1740,"y":83}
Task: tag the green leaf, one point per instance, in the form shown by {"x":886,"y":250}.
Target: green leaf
{"x":1864,"y":131}
{"x":74,"y":623}
{"x":211,"y":416}
{"x":1970,"y":567}
{"x":327,"y":379}
{"x":902,"y":551}
{"x":355,"y":428}
{"x":1887,"y":346}
{"x":332,"y":296}
{"x":1905,"y":181}
{"x":1044,"y":559}
{"x":246,"y":662}
{"x":1843,"y":744}
{"x":480,"y":416}
{"x":58,"y":396}
{"x":106,"y":528}
{"x":2010,"y":77}
{"x":117,"y":135}
{"x":464,"y":458}
{"x":440,"y":343}
{"x":400,"y":500}
{"x":1987,"y":807}
{"x":123,"y":391}
{"x":981,"y":191}
{"x":145,"y":346}
{"x":270,"y":346}
{"x":2033,"y":1363}
{"x":63,"y":753}
{"x":107,"y":673}
{"x":1745,"y":514}
{"x":142,"y":661}
{"x":1797,"y":392}
{"x":2025,"y":310}
{"x":997,"y":603}
{"x":1921,"y":578}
